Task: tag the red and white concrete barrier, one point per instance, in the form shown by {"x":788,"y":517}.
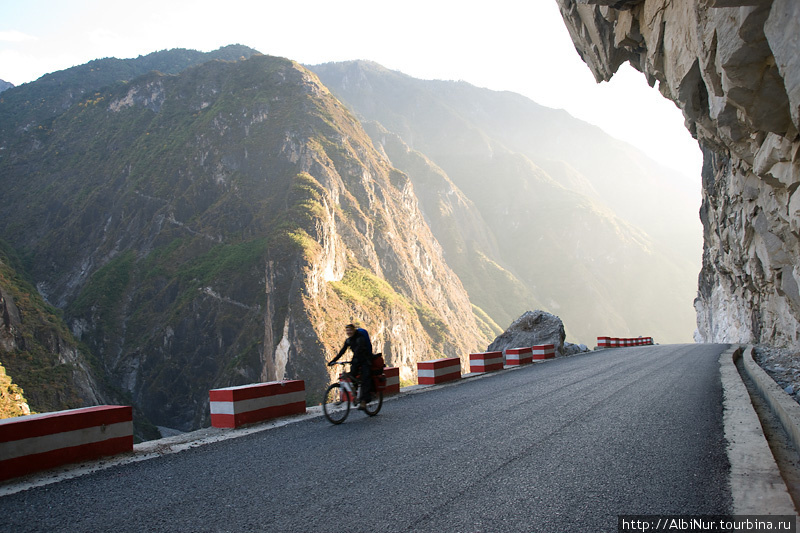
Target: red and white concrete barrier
{"x":615,"y":342}
{"x":38,"y":442}
{"x":518,"y":356}
{"x":232,"y":407}
{"x":392,"y":374}
{"x":544,"y":351}
{"x":485,"y":362}
{"x":438,"y":371}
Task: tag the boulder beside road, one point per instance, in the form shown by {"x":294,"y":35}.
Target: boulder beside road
{"x":534,"y":328}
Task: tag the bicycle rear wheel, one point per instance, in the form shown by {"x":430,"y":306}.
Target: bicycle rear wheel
{"x":335,"y":404}
{"x":374,"y":405}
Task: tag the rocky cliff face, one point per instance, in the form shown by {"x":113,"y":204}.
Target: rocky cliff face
{"x":733,"y":67}
{"x":39,"y":353}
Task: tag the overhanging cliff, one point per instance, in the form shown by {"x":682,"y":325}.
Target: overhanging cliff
{"x":733,"y":67}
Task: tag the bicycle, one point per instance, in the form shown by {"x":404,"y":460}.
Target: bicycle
{"x":338,"y":397}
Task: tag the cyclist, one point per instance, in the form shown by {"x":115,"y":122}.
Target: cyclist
{"x":358,"y":341}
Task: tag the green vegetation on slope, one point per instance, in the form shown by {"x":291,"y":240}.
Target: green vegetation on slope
{"x":361,"y":287}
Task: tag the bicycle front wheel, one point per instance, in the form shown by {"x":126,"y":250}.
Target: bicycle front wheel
{"x":374,"y":405}
{"x":335,"y":404}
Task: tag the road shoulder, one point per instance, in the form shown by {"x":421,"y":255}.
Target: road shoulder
{"x":756,"y":484}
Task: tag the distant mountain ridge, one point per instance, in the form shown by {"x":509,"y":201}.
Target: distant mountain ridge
{"x":54,"y":93}
{"x":596,"y":240}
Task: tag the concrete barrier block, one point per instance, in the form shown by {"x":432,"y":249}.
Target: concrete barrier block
{"x":616,"y":342}
{"x":518,"y":356}
{"x":485,"y":361}
{"x":392,"y":374}
{"x":39,"y":442}
{"x":438,"y":371}
{"x":232,"y":407}
{"x":544,"y":351}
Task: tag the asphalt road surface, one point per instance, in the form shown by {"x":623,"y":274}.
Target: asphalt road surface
{"x":564,"y":445}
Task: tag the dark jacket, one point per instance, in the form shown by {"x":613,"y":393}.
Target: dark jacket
{"x":361,"y":347}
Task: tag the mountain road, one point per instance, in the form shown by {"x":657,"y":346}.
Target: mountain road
{"x":563,"y":445}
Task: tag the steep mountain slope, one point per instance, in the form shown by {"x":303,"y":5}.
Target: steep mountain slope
{"x":219,"y":227}
{"x":581,"y":236}
{"x":38,"y":350}
{"x":469,"y":244}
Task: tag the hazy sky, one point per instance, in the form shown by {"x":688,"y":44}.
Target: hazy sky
{"x":521,"y":46}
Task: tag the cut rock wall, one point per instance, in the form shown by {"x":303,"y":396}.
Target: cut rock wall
{"x":733,"y":67}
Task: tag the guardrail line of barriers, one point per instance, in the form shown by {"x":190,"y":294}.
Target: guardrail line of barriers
{"x":43,"y":441}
